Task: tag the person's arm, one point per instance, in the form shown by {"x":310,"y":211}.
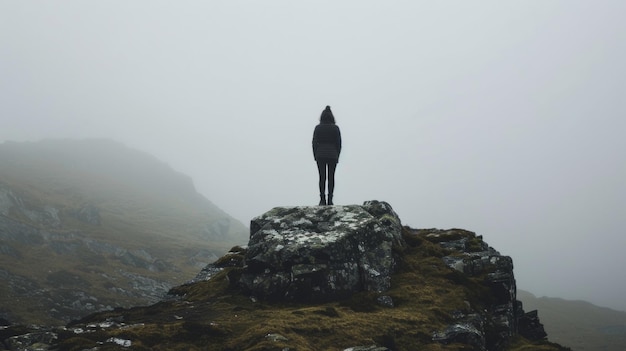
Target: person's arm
{"x":338,"y":141}
{"x":314,"y":142}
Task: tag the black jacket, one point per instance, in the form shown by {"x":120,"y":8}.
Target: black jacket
{"x":326,"y":141}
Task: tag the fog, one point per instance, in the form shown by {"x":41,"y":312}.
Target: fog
{"x":503,"y":118}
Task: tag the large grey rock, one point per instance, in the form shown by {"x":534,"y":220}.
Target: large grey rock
{"x":314,"y":253}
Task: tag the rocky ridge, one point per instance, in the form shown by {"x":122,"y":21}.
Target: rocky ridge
{"x":369,"y":284}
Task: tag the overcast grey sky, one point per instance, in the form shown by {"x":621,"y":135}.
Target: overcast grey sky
{"x":506,"y":118}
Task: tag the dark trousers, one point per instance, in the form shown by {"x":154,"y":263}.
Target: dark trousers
{"x":324,"y":166}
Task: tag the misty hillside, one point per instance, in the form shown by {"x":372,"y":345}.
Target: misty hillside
{"x":87,"y":225}
{"x":579,"y":324}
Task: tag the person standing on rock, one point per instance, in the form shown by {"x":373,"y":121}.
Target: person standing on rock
{"x":326,"y":150}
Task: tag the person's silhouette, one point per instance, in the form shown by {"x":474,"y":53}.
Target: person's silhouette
{"x":326,"y":150}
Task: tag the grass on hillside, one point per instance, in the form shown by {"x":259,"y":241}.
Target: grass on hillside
{"x":216,"y":315}
{"x":165,"y":224}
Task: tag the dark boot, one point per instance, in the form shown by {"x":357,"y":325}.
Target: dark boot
{"x":322,"y":200}
{"x":330,"y":200}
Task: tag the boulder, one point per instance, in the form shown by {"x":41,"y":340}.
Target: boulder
{"x":320,"y":253}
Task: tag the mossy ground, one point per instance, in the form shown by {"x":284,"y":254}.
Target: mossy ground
{"x":215,"y":315}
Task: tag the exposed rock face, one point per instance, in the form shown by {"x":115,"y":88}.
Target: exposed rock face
{"x":321,"y":252}
{"x":505,"y":316}
{"x":45,"y":215}
{"x":529,"y":325}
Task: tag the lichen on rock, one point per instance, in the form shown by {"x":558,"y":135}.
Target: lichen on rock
{"x":315,"y":253}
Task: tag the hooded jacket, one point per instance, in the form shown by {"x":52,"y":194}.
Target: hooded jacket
{"x":326,"y":141}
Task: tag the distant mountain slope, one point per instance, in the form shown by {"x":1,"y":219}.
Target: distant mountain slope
{"x":579,"y":324}
{"x":87,"y":225}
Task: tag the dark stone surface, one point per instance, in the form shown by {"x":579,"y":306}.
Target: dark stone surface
{"x":315,"y":253}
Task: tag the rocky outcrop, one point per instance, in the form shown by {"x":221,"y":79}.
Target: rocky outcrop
{"x":321,"y":252}
{"x":45,"y":216}
{"x":8,"y":200}
{"x":334,"y":265}
{"x":491,"y":329}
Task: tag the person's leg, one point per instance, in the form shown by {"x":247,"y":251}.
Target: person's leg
{"x":331,"y":181}
{"x":321,"y":169}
